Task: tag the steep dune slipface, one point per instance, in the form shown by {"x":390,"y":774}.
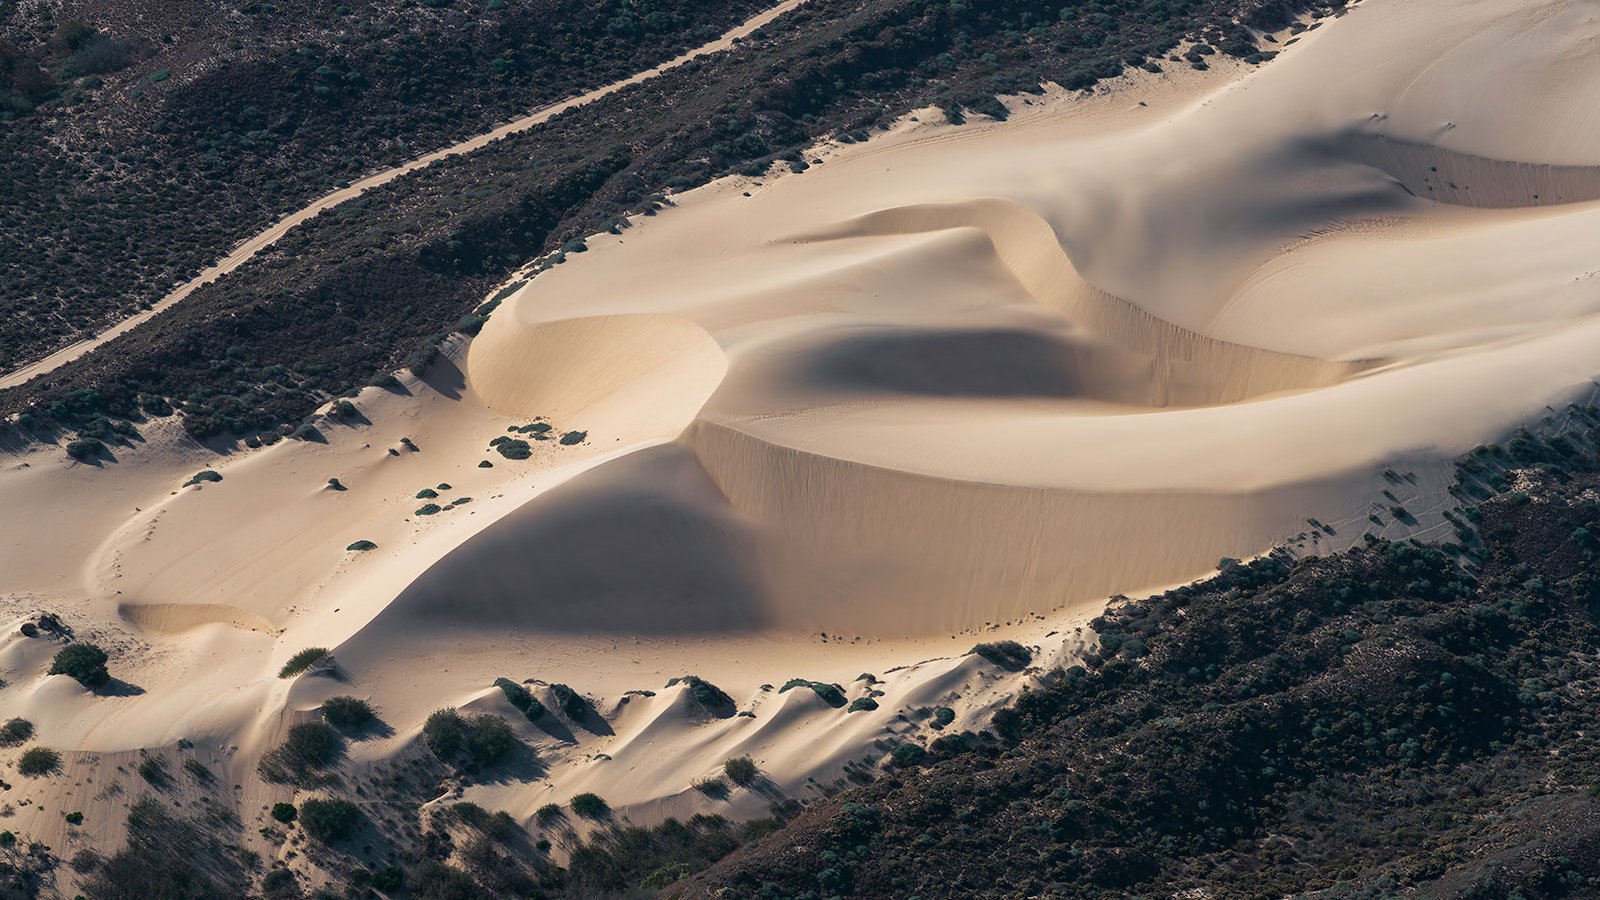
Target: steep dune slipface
{"x":1017,"y":367}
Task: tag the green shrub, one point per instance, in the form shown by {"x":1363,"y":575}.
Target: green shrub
{"x":520,"y":697}
{"x":428,"y":509}
{"x":74,"y":818}
{"x":861,"y":704}
{"x":284,"y":812}
{"x":497,"y":825}
{"x":38,"y":761}
{"x":1008,"y":655}
{"x":908,"y":755}
{"x":830,"y":694}
{"x":362,"y":546}
{"x":549,"y":813}
{"x":571,"y":702}
{"x":590,"y":806}
{"x":445,"y":732}
{"x":85,"y":449}
{"x":427,"y":494}
{"x":84,"y":662}
{"x":203,"y":477}
{"x":329,"y":821}
{"x":712,"y":787}
{"x":511,"y":448}
{"x":943,"y":716}
{"x":306,"y":746}
{"x":15,"y":731}
{"x":741,"y":770}
{"x":484,"y":739}
{"x":574,"y":437}
{"x":302,"y":661}
{"x":389,"y":878}
{"x":348,"y":712}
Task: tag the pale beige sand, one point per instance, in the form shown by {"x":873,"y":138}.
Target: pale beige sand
{"x":951,"y":383}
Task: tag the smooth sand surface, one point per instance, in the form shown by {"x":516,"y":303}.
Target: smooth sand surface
{"x":951,"y":383}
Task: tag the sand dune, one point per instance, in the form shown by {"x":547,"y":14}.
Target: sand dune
{"x":949,"y":383}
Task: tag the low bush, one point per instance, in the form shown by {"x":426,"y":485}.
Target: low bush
{"x":38,"y":761}
{"x":741,"y":770}
{"x":360,"y":546}
{"x":862,"y":704}
{"x":329,"y":821}
{"x":521,"y":698}
{"x":483,"y":740}
{"x":302,"y":661}
{"x":497,"y":825}
{"x":574,"y":437}
{"x":830,"y":693}
{"x":86,"y":663}
{"x":590,"y":806}
{"x":549,"y":814}
{"x":1008,"y":655}
{"x":511,"y":448}
{"x":307,"y":746}
{"x":85,"y":449}
{"x":204,"y":477}
{"x":15,"y":731}
{"x":284,"y":812}
{"x":348,"y":712}
{"x":429,"y":509}
{"x":571,"y":702}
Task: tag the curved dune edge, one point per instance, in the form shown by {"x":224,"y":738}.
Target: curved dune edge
{"x":1185,"y":368}
{"x":658,"y":368}
{"x":176,"y":618}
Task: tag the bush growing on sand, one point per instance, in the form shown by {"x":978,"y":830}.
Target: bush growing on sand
{"x":206,"y":476}
{"x":712,"y":787}
{"x":519,"y":697}
{"x":862,"y":704}
{"x":329,"y":821}
{"x":549,"y":814}
{"x":571,"y":702}
{"x":741,"y":770}
{"x":283,"y":812}
{"x":306,"y":746}
{"x":427,"y":494}
{"x":428,"y":509}
{"x":943,"y":716}
{"x":15,"y":731}
{"x":511,"y":448}
{"x":84,"y":662}
{"x":1008,"y":655}
{"x":360,"y":546}
{"x":484,"y":739}
{"x":85,"y":449}
{"x":590,"y":806}
{"x":907,"y":755}
{"x":497,"y":825}
{"x":574,"y":437}
{"x":348,"y":712}
{"x":830,"y":694}
{"x":38,"y":761}
{"x":302,"y":661}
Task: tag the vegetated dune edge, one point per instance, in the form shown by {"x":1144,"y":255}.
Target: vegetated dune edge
{"x":947,"y":386}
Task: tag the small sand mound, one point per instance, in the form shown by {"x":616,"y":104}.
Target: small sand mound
{"x":647,"y":374}
{"x":173,"y":618}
